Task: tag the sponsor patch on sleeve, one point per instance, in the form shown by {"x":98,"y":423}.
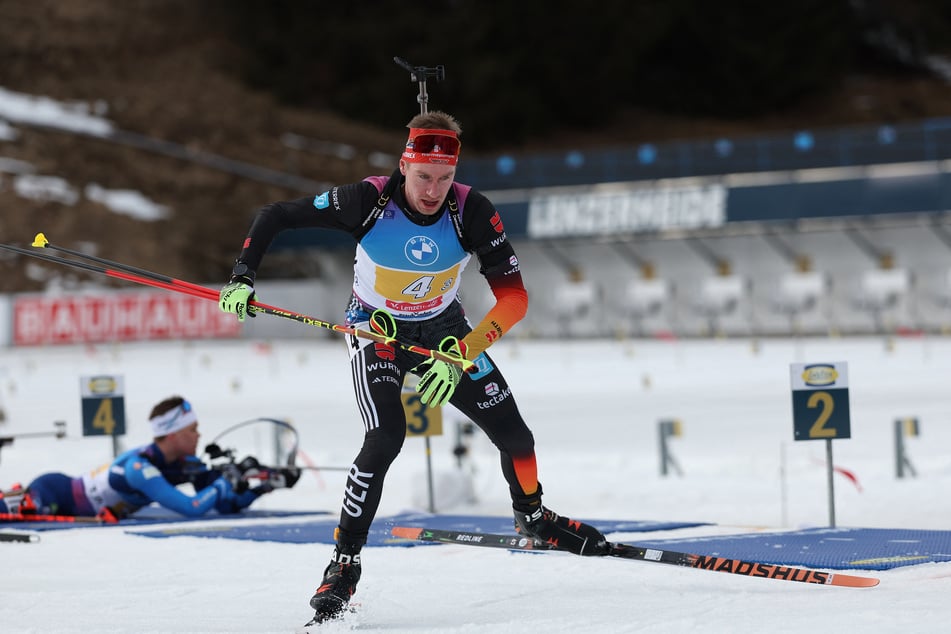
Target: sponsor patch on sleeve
{"x":322,"y":201}
{"x":484,"y":367}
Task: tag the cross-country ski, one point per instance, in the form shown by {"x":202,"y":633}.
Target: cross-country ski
{"x":629,"y":551}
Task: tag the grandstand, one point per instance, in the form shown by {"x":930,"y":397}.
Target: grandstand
{"x":831,"y":286}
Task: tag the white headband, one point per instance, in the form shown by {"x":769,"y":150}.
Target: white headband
{"x":173,"y":420}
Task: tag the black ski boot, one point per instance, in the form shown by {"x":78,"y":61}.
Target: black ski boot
{"x":340,"y":579}
{"x":544,"y":525}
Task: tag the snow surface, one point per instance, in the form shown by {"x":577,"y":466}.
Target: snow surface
{"x":77,"y":116}
{"x":594,"y":407}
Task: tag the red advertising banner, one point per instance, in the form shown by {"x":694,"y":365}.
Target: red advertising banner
{"x":118,"y":317}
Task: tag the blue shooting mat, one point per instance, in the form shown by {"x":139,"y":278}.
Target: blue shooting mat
{"x":320,"y":531}
{"x":829,"y":548}
{"x":832,"y":548}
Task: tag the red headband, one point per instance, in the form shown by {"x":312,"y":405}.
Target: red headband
{"x":425,"y":145}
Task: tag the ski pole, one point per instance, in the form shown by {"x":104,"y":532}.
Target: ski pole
{"x":156,"y":280}
{"x":40,"y":241}
{"x":111,"y":272}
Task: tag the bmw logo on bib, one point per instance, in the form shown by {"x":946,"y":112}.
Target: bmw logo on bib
{"x":421,"y":250}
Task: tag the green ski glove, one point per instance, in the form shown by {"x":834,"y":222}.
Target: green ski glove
{"x":439,"y":381}
{"x":235,"y":298}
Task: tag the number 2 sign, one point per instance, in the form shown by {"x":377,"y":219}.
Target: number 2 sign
{"x":820,"y":400}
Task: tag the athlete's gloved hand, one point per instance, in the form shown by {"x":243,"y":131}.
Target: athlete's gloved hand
{"x":439,"y":381}
{"x":228,"y":500}
{"x":284,"y":478}
{"x":249,"y":467}
{"x":235,"y":297}
{"x":238,"y":474}
{"x":225,"y":491}
{"x":232,"y":473}
{"x":277,"y":478}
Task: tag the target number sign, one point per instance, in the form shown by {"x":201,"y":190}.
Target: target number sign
{"x":820,"y":400}
{"x":103,"y":405}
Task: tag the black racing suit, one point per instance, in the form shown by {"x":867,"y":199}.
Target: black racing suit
{"x":379,"y":369}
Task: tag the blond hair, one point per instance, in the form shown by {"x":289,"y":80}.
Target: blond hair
{"x":435,"y":120}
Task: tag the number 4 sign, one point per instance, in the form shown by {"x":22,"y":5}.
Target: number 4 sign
{"x":103,"y":406}
{"x":820,"y":400}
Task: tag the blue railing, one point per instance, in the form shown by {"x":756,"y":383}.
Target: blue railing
{"x":928,"y":140}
